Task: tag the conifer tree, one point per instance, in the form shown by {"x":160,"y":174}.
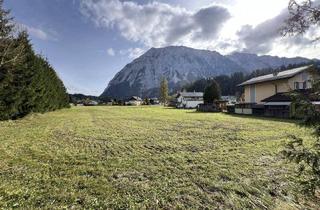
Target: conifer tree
{"x":212,"y":92}
{"x":28,"y":83}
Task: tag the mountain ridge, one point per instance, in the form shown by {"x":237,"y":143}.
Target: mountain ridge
{"x":181,"y":65}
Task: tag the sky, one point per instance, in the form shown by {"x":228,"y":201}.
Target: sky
{"x":89,"y":41}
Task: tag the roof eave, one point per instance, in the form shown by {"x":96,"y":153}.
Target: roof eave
{"x":284,"y":77}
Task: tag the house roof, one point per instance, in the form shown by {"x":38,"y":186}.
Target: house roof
{"x":279,"y":97}
{"x":135,"y":98}
{"x":190,"y":94}
{"x":281,"y":75}
{"x":287,"y":97}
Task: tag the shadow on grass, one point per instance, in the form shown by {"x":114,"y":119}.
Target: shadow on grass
{"x":274,"y":119}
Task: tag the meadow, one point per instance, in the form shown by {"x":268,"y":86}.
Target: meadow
{"x":147,"y":158}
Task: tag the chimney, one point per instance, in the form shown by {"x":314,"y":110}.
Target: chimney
{"x":275,"y":73}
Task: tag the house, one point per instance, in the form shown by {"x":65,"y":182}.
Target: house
{"x":189,"y":100}
{"x":134,"y":101}
{"x":154,"y":101}
{"x":280,"y":104}
{"x":222,"y":105}
{"x":229,"y":99}
{"x":90,"y":103}
{"x":270,"y":94}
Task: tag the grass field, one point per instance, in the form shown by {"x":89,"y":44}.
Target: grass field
{"x":147,"y":157}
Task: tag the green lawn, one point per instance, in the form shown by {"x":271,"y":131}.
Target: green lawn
{"x":147,"y":157}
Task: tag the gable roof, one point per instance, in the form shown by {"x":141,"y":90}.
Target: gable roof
{"x":190,"y":94}
{"x":271,"y":77}
{"x":135,"y":98}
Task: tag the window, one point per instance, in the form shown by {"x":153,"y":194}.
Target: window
{"x":305,"y":85}
{"x":296,"y":86}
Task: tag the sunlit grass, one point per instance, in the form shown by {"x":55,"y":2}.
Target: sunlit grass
{"x":146,"y":157}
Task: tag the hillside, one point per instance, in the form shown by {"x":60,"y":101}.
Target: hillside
{"x":182,"y":65}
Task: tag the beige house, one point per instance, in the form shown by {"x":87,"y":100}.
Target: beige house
{"x":269,"y":95}
{"x":259,"y":88}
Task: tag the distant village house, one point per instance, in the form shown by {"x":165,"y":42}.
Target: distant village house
{"x":189,"y":100}
{"x":134,"y":101}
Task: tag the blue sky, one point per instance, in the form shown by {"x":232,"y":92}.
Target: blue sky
{"x":89,"y":41}
{"x":74,"y":46}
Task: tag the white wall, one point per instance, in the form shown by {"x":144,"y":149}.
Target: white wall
{"x":193,"y":104}
{"x":182,"y":103}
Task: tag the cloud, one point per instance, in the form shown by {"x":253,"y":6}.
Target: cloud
{"x":259,"y":39}
{"x":156,"y":24}
{"x":266,"y":36}
{"x":111,"y":52}
{"x":38,"y":33}
{"x":210,"y":20}
{"x":132,"y":53}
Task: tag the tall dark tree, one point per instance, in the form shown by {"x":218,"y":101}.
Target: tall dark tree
{"x":12,"y":74}
{"x":27,"y":81}
{"x":6,"y":26}
{"x":198,"y":85}
{"x":164,"y":91}
{"x":212,"y":92}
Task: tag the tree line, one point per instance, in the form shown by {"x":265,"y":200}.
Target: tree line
{"x":28,"y":83}
{"x":228,"y":84}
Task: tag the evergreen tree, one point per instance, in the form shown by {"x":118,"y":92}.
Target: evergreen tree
{"x":6,"y":26}
{"x":212,"y":93}
{"x":12,"y":69}
{"x":198,"y":85}
{"x":27,"y":81}
{"x":164,"y":95}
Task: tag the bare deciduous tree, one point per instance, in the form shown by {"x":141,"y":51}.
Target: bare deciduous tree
{"x":303,"y":16}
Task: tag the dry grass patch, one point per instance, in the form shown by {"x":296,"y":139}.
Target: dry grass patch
{"x":146,"y":157}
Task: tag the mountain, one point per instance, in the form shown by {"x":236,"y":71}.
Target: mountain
{"x":251,"y":62}
{"x":182,"y":65}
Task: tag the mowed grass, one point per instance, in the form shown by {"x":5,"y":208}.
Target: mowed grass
{"x":149,"y":158}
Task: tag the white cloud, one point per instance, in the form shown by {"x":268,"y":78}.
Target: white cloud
{"x":221,"y":25}
{"x":111,"y":52}
{"x":132,"y":53}
{"x":156,"y":24}
{"x":38,"y":32}
{"x":266,"y":38}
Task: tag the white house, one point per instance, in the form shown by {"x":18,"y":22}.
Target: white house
{"x":134,"y":101}
{"x":230,"y":99}
{"x":189,"y":100}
